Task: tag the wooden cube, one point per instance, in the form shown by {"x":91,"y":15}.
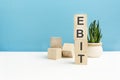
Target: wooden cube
{"x":80,"y":33}
{"x":68,"y":50}
{"x":56,"y":42}
{"x":81,"y":46}
{"x":81,"y":59}
{"x":54,"y":53}
{"x":80,"y":20}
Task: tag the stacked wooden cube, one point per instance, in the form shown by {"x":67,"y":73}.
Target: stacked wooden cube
{"x":55,"y":50}
{"x":80,"y":38}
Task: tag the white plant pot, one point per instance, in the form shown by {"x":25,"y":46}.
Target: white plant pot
{"x":95,"y":50}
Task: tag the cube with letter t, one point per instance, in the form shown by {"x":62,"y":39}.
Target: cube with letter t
{"x":80,"y":38}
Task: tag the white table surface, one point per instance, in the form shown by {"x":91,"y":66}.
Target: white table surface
{"x":36,"y":66}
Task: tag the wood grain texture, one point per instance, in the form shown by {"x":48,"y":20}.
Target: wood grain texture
{"x":56,"y":42}
{"x":83,"y":20}
{"x":81,"y":48}
{"x":81,"y":60}
{"x":54,"y":53}
{"x":80,"y":37}
{"x":77,"y":32}
{"x":68,"y":50}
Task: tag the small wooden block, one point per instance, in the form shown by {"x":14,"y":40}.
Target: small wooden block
{"x":80,"y":20}
{"x":56,"y":42}
{"x":81,"y":59}
{"x":81,"y":46}
{"x":54,"y":53}
{"x":80,"y":33}
{"x":68,"y":50}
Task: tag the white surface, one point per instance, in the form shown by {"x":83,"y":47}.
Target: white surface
{"x":36,"y":66}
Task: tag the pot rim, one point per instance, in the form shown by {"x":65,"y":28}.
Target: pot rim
{"x":95,"y":44}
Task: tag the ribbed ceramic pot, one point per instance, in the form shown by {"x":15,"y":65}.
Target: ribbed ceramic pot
{"x":95,"y":50}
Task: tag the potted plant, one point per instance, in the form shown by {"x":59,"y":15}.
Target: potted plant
{"x":94,"y":40}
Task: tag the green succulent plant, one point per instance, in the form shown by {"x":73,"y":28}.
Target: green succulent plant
{"x":94,"y":35}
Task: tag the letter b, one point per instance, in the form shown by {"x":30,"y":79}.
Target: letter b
{"x":79,"y":33}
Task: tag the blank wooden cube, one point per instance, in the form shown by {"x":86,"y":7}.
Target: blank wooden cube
{"x":81,"y":59}
{"x":68,"y":50}
{"x":81,"y":46}
{"x":56,"y":42}
{"x":54,"y":53}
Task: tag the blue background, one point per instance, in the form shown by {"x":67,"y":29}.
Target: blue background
{"x":27,"y":25}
